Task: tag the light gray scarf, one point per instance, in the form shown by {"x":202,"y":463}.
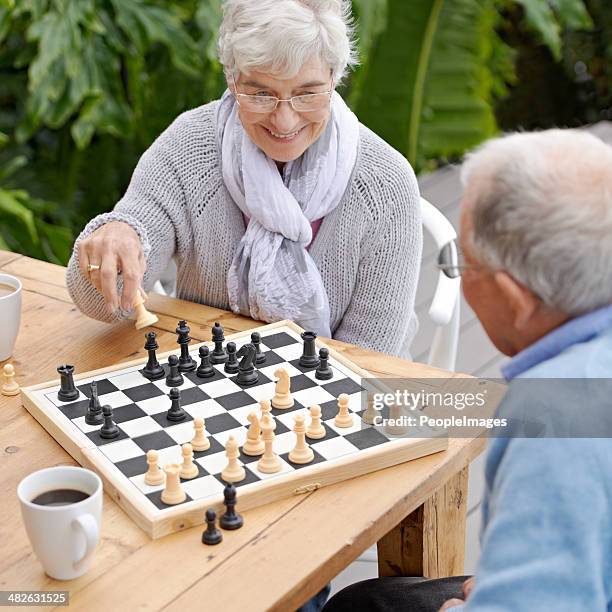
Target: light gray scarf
{"x":272,"y":276}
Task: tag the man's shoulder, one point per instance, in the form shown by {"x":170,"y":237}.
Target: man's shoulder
{"x":589,"y":359}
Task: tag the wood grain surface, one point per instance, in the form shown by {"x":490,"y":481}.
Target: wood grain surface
{"x":286,"y":551}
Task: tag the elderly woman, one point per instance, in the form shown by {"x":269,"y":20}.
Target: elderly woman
{"x":273,"y":201}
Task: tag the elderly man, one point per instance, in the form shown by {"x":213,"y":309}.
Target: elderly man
{"x":536,"y":234}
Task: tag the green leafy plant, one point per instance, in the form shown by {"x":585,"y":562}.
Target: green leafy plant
{"x":436,"y":67}
{"x":26,"y":223}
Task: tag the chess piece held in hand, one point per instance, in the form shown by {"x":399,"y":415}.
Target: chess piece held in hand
{"x":144,"y":318}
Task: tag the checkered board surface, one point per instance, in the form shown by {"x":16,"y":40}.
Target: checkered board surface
{"x":140,"y":408}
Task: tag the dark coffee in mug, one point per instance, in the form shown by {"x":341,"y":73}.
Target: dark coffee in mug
{"x":60,"y":497}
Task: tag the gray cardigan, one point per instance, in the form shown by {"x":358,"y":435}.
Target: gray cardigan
{"x":368,"y":249}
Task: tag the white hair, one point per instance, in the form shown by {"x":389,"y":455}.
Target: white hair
{"x":542,"y":211}
{"x":281,"y":35}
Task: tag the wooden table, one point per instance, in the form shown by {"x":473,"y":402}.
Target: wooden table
{"x":286,"y":551}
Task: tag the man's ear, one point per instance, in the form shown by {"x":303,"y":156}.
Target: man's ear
{"x":522,"y":302}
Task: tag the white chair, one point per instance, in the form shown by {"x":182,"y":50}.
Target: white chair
{"x":446,"y":303}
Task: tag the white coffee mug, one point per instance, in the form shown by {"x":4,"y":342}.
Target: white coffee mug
{"x":63,"y":537}
{"x":10,"y":315}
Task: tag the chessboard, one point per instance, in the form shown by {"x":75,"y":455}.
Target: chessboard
{"x":140,"y":407}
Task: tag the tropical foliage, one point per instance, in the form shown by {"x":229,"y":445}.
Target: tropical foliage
{"x":87,"y":85}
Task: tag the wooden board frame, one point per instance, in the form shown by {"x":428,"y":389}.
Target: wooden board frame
{"x":160,"y":522}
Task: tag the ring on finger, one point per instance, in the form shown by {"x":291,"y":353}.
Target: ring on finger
{"x":92,"y":267}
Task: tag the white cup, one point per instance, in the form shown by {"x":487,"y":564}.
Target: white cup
{"x":10,"y":315}
{"x":63,"y":537}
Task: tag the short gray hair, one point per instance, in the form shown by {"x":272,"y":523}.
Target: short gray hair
{"x":281,"y":35}
{"x":542,"y":211}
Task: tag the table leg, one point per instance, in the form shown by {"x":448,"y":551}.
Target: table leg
{"x":431,"y":540}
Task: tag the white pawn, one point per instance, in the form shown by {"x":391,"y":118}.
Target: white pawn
{"x":266,"y":416}
{"x":233,"y":471}
{"x":173,"y":493}
{"x":301,"y":453}
{"x":154,"y":475}
{"x":282,"y":392}
{"x":270,"y":462}
{"x":254,"y":444}
{"x":344,"y":418}
{"x":315,"y":428}
{"x":200,"y":442}
{"x":144,"y":318}
{"x":370,"y":413}
{"x":188,"y":469}
{"x":9,"y":386}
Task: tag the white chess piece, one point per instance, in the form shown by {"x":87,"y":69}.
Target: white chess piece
{"x":144,"y":318}
{"x":266,"y":415}
{"x":301,"y":452}
{"x":154,"y":475}
{"x":188,"y":468}
{"x":282,"y":392}
{"x":397,"y":424}
{"x":254,"y":444}
{"x":233,"y":472}
{"x":173,"y":493}
{"x":315,"y":429}
{"x":344,"y":418}
{"x":270,"y":462}
{"x":200,"y":442}
{"x":9,"y":386}
{"x":370,"y":413}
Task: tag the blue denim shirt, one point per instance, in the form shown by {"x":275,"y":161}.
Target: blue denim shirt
{"x":547,"y":508}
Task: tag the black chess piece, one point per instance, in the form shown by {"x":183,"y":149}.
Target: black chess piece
{"x":256,"y":342}
{"x":323,"y":371}
{"x":247,"y":375}
{"x":68,"y":392}
{"x":109,"y":430}
{"x":211,"y":535}
{"x":218,"y":355}
{"x":230,"y":518}
{"x":174,"y":378}
{"x":153,"y":370}
{"x":205,"y":370}
{"x":231,"y":365}
{"x":309,"y":357}
{"x":175,"y":413}
{"x":186,"y":361}
{"x":94,"y":414}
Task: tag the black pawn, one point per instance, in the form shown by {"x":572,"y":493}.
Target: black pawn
{"x":186,"y":362}
{"x":205,"y":370}
{"x":309,"y":357}
{"x":230,"y":519}
{"x":174,"y":378}
{"x":231,"y":365}
{"x":68,"y":392}
{"x":153,"y":370}
{"x":109,"y":430}
{"x":94,"y":409}
{"x":256,"y":342}
{"x":211,"y":535}
{"x":218,"y":355}
{"x":324,"y":372}
{"x":176,"y":413}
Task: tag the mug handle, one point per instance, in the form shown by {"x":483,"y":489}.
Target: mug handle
{"x":87,"y":524}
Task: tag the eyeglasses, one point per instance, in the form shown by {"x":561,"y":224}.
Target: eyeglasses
{"x":306,"y":103}
{"x":451,"y":261}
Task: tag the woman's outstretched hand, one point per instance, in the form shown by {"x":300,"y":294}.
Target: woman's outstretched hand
{"x":116,"y":249}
